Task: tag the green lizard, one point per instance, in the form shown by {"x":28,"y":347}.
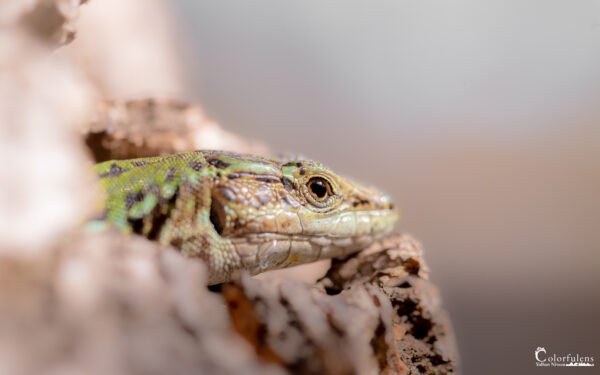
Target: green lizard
{"x":242,"y":212}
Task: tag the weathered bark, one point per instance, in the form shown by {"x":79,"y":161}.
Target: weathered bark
{"x":422,"y":335}
{"x":150,"y":127}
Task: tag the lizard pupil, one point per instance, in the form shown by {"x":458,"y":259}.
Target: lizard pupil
{"x":318,"y":187}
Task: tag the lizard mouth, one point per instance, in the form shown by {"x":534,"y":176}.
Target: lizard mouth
{"x":261,"y":252}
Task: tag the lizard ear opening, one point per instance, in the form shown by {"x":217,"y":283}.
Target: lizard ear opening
{"x":217,"y":215}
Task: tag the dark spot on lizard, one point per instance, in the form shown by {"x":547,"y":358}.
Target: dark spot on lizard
{"x":256,"y":203}
{"x":302,"y":171}
{"x":218,"y":163}
{"x":358,"y":201}
{"x":114,"y":171}
{"x":132,"y":198}
{"x":196,"y":165}
{"x":258,"y":177}
{"x":266,"y":178}
{"x":263,"y":195}
{"x":287,"y":183}
{"x":293,"y":164}
{"x":152,"y":222}
{"x":237,"y":224}
{"x":139,"y":163}
{"x":160,"y":215}
{"x":171,"y":174}
{"x":227,"y":193}
{"x":152,"y":189}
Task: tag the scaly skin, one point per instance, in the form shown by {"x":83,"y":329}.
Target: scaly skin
{"x":241,"y":211}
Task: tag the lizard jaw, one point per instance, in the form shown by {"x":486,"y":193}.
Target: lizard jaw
{"x":260,"y":252}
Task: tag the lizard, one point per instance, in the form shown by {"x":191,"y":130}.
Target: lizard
{"x":238,"y":211}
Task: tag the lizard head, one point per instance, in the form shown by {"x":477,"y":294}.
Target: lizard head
{"x":278,"y":214}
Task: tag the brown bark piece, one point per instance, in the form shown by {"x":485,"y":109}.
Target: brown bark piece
{"x":151,"y":127}
{"x":422,"y":335}
{"x":303,"y":328}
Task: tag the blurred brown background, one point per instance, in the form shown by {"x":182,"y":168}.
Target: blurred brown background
{"x":481,"y":119}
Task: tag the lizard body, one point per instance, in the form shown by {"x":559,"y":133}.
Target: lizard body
{"x":241,"y":211}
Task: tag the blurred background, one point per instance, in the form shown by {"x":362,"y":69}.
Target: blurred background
{"x":480,"y":118}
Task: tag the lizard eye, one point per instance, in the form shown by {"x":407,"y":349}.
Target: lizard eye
{"x":319,"y":190}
